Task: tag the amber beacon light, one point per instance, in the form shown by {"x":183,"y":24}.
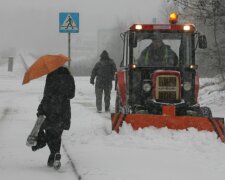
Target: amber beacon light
{"x":173,"y":18}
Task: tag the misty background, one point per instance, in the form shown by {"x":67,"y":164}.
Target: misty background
{"x":32,"y":26}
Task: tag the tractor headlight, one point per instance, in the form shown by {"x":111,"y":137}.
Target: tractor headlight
{"x":187,"y":27}
{"x":147,"y":87}
{"x":187,"y":86}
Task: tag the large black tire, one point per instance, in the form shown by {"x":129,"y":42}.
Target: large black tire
{"x":117,"y":103}
{"x":206,"y":111}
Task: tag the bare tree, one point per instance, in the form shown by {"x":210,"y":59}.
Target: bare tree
{"x":210,"y":14}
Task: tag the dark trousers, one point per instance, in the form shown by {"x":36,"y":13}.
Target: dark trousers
{"x":52,"y":137}
{"x":107,"y":92}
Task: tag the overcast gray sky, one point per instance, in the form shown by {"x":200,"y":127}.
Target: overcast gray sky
{"x":35,"y":23}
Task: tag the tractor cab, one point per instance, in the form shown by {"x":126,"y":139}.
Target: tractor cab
{"x":159,"y":67}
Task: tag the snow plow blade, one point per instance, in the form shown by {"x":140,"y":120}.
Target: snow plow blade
{"x":171,"y":121}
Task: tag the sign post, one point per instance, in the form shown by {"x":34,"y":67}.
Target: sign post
{"x":69,"y":48}
{"x":10,"y":64}
{"x":69,"y":23}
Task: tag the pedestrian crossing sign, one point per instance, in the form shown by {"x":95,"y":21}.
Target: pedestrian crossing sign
{"x":68,"y":22}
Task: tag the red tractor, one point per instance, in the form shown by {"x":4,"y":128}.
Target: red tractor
{"x":162,"y":94}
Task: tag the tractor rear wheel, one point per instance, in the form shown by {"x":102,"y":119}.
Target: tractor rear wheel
{"x":117,"y":104}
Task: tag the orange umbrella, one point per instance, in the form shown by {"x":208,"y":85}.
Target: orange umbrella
{"x":44,"y":65}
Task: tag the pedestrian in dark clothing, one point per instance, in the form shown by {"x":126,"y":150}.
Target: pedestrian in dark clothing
{"x":104,"y":71}
{"x":55,"y":105}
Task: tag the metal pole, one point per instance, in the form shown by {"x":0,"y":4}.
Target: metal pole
{"x":69,"y":50}
{"x":10,"y":64}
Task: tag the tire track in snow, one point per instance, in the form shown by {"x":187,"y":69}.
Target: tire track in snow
{"x":86,"y":102}
{"x":71,"y":163}
{"x":6,"y":112}
{"x":89,"y":104}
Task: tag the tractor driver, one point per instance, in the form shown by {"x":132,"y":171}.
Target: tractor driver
{"x":158,"y":54}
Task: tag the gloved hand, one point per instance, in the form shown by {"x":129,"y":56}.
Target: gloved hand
{"x":40,"y":114}
{"x":92,"y":82}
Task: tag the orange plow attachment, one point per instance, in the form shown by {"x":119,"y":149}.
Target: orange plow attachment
{"x":171,"y":121}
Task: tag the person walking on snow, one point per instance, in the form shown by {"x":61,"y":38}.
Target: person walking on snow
{"x":104,"y":71}
{"x":70,"y":22}
{"x":55,"y":105}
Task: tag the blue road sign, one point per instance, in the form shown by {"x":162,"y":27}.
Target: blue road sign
{"x":68,"y":22}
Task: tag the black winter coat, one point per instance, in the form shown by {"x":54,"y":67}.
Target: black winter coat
{"x":55,"y":105}
{"x":104,"y":71}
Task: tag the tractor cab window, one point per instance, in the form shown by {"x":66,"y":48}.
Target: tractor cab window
{"x":162,"y":49}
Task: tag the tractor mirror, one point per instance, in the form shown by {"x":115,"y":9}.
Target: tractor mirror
{"x":202,"y":42}
{"x":133,"y":39}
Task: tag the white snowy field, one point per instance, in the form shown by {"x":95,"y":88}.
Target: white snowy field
{"x":98,"y":153}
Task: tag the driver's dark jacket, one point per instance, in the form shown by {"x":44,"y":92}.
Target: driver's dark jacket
{"x":163,"y":56}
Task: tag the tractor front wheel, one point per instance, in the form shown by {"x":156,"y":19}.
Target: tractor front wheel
{"x":206,"y":111}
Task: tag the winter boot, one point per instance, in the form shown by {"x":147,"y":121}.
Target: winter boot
{"x":51,"y":160}
{"x":57,"y":163}
{"x":99,"y":111}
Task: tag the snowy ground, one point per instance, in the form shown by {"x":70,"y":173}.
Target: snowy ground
{"x":98,"y":153}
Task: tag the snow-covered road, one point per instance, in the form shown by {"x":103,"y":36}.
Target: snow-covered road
{"x":98,"y":153}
